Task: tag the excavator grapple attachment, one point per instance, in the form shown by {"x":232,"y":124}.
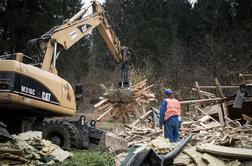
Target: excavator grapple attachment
{"x":122,"y":95}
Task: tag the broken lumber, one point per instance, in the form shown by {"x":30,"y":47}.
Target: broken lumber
{"x":199,"y":101}
{"x":223,"y":87}
{"x":204,"y":93}
{"x":238,"y":153}
{"x":141,"y":118}
{"x":246,"y":117}
{"x":104,"y":114}
{"x":199,"y":109}
{"x":100,"y":103}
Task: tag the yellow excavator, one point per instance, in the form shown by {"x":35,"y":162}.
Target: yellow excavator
{"x":31,"y":92}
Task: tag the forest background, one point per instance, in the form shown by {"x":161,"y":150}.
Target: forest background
{"x":173,"y":43}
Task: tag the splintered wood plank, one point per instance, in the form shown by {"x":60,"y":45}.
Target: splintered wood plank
{"x":139,"y":119}
{"x":199,"y":101}
{"x":100,"y":103}
{"x":104,"y":114}
{"x":203,"y":112}
{"x":195,"y":156}
{"x":246,"y":117}
{"x":139,"y":83}
{"x":103,"y":87}
{"x":238,"y":153}
{"x":144,"y":90}
{"x":115,"y":111}
{"x":104,"y":106}
{"x":212,"y":161}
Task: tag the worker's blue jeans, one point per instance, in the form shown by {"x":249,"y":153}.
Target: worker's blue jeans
{"x":171,"y":128}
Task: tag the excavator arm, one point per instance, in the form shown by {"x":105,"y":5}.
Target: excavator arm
{"x":77,"y":27}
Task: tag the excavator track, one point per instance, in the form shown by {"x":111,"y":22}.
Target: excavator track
{"x":61,"y":133}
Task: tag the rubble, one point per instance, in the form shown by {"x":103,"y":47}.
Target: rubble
{"x":161,"y":145}
{"x":29,"y":148}
{"x":240,"y":137}
{"x":217,"y":138}
{"x":140,"y":135}
{"x":238,"y":153}
{"x":207,"y":131}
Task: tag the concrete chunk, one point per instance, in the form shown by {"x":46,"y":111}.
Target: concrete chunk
{"x":212,"y":161}
{"x":196,"y":156}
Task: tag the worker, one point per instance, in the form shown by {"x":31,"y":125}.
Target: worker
{"x":170,"y":112}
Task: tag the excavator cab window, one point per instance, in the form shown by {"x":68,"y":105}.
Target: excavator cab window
{"x":7,"y":57}
{"x":18,"y":57}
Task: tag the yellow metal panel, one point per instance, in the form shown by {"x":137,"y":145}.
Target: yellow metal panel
{"x":10,"y":65}
{"x":30,"y":103}
{"x":59,"y":87}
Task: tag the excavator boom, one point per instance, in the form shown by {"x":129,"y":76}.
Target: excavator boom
{"x":69,"y":33}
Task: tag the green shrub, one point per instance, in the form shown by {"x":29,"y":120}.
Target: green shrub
{"x":89,"y":158}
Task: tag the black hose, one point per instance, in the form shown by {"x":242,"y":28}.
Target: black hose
{"x":171,"y":155}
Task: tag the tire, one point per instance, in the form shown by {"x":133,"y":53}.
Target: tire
{"x":61,"y":133}
{"x":4,"y":134}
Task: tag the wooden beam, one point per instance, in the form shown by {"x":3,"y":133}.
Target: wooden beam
{"x":199,"y":101}
{"x":237,"y":153}
{"x":218,"y":86}
{"x":205,"y":113}
{"x":200,"y":95}
{"x":100,"y":103}
{"x":223,"y":87}
{"x":198,"y":90}
{"x":224,"y":105}
{"x":104,"y":114}
{"x":140,"y":118}
{"x":205,"y":93}
{"x":245,"y":75}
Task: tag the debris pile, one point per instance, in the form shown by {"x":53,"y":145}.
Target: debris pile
{"x":214,"y":143}
{"x":209,"y":154}
{"x":217,"y":137}
{"x":140,"y":135}
{"x":29,"y":148}
{"x":240,"y":137}
{"x":120,"y":104}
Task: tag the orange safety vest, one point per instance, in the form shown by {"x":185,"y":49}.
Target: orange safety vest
{"x":172,"y":108}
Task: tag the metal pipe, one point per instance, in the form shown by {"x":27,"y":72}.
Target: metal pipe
{"x":55,"y":54}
